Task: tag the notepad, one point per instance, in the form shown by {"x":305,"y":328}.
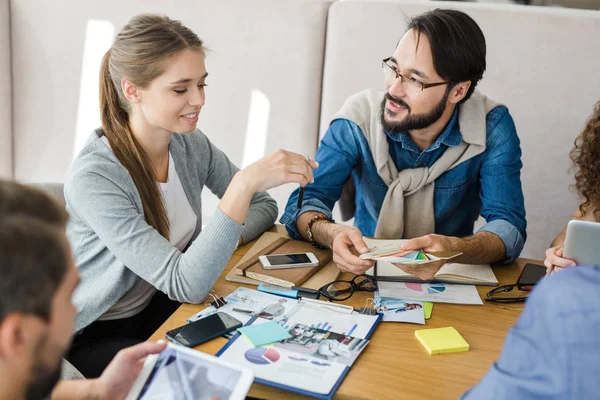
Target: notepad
{"x":442,"y":340}
{"x":427,"y":308}
{"x":265,"y":333}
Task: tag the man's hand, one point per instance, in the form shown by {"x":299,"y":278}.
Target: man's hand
{"x":554,"y":260}
{"x":423,"y":271}
{"x":480,"y":248}
{"x":117,"y":379}
{"x":429,"y":243}
{"x":347,"y":243}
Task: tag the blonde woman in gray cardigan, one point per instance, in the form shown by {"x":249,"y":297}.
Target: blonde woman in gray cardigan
{"x":133,"y":193}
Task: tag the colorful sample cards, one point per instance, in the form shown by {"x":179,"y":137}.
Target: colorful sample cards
{"x":394,"y":254}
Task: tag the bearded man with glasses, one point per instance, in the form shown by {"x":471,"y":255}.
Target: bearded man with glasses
{"x":422,"y":159}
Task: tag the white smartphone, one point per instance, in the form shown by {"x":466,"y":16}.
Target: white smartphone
{"x":581,"y":242}
{"x":296,"y":260}
{"x":182,"y":373}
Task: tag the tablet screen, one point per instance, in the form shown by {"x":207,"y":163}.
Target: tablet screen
{"x":180,"y":376}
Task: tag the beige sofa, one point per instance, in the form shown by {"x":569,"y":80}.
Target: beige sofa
{"x":280,"y":69}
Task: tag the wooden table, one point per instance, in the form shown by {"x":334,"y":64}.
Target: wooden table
{"x":394,"y":365}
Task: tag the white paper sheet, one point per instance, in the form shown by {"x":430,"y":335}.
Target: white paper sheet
{"x":253,"y":302}
{"x":433,"y":292}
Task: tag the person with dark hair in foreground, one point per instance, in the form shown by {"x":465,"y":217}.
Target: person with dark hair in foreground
{"x":425,"y":158}
{"x":37,"y":280}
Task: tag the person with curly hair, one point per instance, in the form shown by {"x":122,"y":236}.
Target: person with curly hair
{"x":585,"y":156}
{"x":552,"y":351}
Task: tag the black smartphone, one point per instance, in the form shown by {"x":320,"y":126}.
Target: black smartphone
{"x":530,"y":275}
{"x":203,"y":330}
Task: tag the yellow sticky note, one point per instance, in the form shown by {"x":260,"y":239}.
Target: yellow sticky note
{"x":442,"y":340}
{"x":427,"y":308}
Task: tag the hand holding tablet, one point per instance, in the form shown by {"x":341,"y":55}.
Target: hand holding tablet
{"x":182,"y":373}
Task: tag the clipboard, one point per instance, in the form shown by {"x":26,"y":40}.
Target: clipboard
{"x":273,"y":358}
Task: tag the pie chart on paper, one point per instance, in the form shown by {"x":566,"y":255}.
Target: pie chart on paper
{"x":262,"y":356}
{"x":433,"y":288}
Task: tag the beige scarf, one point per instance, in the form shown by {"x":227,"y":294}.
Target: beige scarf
{"x":407,"y":209}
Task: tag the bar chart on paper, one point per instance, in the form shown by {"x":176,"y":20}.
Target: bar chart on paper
{"x":328,"y":327}
{"x":354,"y":324}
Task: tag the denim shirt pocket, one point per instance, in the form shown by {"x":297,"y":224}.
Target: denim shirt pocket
{"x":459,"y":178}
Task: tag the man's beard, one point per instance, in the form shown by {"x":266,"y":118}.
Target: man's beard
{"x":412,"y":122}
{"x":43,"y":377}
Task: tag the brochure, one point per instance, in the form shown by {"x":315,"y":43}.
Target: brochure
{"x":326,"y":340}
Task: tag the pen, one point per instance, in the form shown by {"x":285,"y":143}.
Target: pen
{"x":300,"y":196}
{"x":303,"y":289}
{"x":301,"y":193}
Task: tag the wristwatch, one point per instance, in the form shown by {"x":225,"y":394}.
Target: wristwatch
{"x":311,"y":237}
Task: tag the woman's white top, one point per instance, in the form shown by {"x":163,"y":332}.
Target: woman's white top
{"x":182,"y":223}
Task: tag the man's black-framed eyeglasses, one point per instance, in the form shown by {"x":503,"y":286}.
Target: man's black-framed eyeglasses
{"x":340,"y":290}
{"x":492,"y":295}
{"x":409,"y":83}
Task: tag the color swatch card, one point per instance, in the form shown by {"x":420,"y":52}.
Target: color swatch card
{"x":433,"y":292}
{"x":394,"y":264}
{"x":267,"y":333}
{"x":442,"y":340}
{"x":393,"y":254}
{"x":409,"y":257}
{"x":383,"y":251}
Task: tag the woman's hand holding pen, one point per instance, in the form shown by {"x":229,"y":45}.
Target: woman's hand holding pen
{"x":278,"y":168}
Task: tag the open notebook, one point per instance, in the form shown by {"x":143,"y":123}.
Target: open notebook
{"x":481,"y":274}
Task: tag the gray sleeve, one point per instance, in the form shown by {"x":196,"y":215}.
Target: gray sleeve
{"x":110,"y":212}
{"x":263,"y":209}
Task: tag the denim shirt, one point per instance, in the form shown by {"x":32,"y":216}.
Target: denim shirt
{"x":488,"y":184}
{"x":553,"y":351}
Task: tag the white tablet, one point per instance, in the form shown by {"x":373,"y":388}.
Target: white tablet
{"x":186,"y":374}
{"x":582,"y":243}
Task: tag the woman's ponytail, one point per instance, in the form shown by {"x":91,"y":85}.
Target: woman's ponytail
{"x":115,"y":125}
